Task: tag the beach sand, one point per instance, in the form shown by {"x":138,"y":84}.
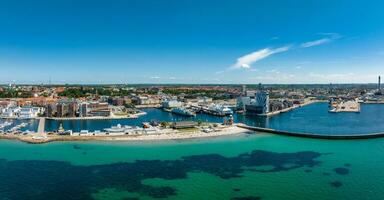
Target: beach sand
{"x":168,"y":135}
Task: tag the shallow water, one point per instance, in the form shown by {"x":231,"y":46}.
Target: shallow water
{"x":261,"y":166}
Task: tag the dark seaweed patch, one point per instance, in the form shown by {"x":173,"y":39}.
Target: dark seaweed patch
{"x":341,"y":170}
{"x":347,"y":165}
{"x":76,"y":146}
{"x":246,"y":198}
{"x":326,"y":174}
{"x":236,"y":189}
{"x":336,"y":184}
{"x":308,"y":170}
{"x":54,"y":179}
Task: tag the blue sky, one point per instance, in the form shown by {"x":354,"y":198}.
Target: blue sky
{"x":191,"y":41}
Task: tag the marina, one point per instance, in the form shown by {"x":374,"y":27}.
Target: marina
{"x":312,"y":119}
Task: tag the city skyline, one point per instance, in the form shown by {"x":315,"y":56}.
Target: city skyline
{"x":225,"y":42}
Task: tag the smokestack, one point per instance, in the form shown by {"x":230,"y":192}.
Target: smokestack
{"x":379,"y":86}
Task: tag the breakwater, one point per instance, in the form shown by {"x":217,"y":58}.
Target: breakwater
{"x":313,"y":135}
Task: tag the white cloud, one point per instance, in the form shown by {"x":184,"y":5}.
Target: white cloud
{"x":335,"y":76}
{"x":315,"y":42}
{"x":245,"y":61}
{"x":154,"y":77}
{"x":275,"y":71}
{"x":298,"y":67}
{"x":330,"y":37}
{"x":274,"y":78}
{"x":220,"y":72}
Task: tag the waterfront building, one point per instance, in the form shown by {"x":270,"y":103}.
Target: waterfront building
{"x":280,"y":104}
{"x":204,"y":100}
{"x":146,"y":100}
{"x":242,"y":101}
{"x":83,"y":109}
{"x":10,"y":111}
{"x":28,"y":112}
{"x":259,"y":105}
{"x":116,"y":101}
{"x":50,"y":110}
{"x":171,"y":104}
{"x":100,"y":109}
{"x":250,"y":93}
{"x":72,"y":109}
{"x":62,"y":110}
{"x":262,"y":100}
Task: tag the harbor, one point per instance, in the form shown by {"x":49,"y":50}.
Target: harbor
{"x":299,"y":120}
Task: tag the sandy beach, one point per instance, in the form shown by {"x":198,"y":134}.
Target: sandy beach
{"x":168,"y":135}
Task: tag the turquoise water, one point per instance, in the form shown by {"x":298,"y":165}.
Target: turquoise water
{"x":313,"y":118}
{"x":260,"y":166}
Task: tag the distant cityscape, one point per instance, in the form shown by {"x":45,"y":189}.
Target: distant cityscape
{"x":125,"y":101}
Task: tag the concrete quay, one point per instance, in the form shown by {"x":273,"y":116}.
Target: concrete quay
{"x":313,"y":135}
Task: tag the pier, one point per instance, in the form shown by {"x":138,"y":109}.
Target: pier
{"x":313,"y":135}
{"x":348,"y":106}
{"x":41,"y":127}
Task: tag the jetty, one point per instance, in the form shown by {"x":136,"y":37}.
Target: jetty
{"x":273,"y":113}
{"x":347,"y":106}
{"x":312,"y":135}
{"x":41,"y":127}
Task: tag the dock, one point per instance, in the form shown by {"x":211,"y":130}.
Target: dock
{"x":270,"y":114}
{"x":348,"y":106}
{"x":313,"y":135}
{"x":41,"y":127}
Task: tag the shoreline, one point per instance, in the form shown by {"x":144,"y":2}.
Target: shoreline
{"x":313,"y":135}
{"x":131,"y":116}
{"x":270,"y":114}
{"x":172,"y":135}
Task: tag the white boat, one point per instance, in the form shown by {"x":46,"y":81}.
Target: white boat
{"x":84,"y":132}
{"x":122,"y":130}
{"x":7,"y":124}
{"x":183,"y":111}
{"x":220,"y":110}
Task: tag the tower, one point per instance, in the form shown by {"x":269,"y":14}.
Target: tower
{"x":244,"y":89}
{"x":379,"y":86}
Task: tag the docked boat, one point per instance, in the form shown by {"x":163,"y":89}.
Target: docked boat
{"x":116,"y":129}
{"x":183,"y":112}
{"x":5,"y":124}
{"x":219,"y":110}
{"x":123,"y":130}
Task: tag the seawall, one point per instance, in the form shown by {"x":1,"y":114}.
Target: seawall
{"x":313,"y":135}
